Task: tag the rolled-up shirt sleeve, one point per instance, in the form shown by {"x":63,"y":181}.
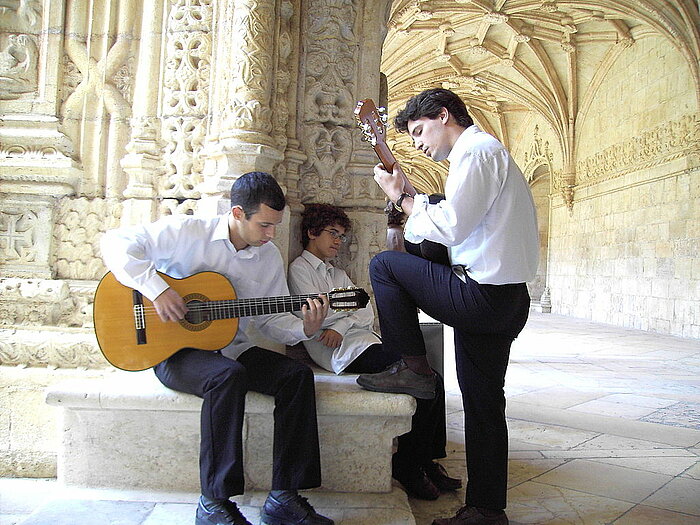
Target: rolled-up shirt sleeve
{"x":129,"y":253}
{"x":472,"y":187}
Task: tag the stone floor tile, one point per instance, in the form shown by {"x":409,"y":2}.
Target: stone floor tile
{"x":520,"y":470}
{"x":72,"y":512}
{"x":642,"y":514}
{"x":680,"y":495}
{"x":548,"y":436}
{"x":601,"y":479}
{"x":637,"y":400}
{"x":694,"y":471}
{"x":607,"y":408}
{"x":612,"y":442}
{"x":677,"y":415}
{"x":180,"y":513}
{"x":538,"y":504}
{"x":671,"y":466}
{"x":559,"y":397}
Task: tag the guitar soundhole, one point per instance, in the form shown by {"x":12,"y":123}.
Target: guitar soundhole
{"x":199,"y":316}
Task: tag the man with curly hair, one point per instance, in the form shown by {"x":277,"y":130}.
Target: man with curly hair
{"x":347,"y":344}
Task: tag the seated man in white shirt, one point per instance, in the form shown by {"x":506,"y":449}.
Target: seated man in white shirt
{"x":346,"y":343}
{"x":489,"y":225}
{"x":236,"y":245}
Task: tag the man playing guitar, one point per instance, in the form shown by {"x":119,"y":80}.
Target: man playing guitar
{"x":236,"y":245}
{"x":488,"y":222}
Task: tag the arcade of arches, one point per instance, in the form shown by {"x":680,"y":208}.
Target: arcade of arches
{"x":121,"y":111}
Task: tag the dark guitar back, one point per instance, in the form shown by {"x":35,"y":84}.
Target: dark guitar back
{"x":432,"y":251}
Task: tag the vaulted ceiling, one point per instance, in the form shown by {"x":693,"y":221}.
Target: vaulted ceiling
{"x":506,"y":57}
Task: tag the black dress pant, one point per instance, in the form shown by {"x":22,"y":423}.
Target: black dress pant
{"x":486,"y":319}
{"x":428,"y":436}
{"x":222,"y":383}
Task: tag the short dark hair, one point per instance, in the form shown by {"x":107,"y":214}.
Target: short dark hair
{"x":429,"y":103}
{"x":255,"y":188}
{"x":316,"y":217}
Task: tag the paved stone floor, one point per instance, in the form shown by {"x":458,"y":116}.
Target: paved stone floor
{"x":604,"y":428}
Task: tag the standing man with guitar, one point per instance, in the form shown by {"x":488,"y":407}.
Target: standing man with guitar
{"x":488,"y":223}
{"x":236,"y":245}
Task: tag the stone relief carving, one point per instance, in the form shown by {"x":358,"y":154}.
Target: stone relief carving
{"x":18,"y":235}
{"x":249,"y":107}
{"x":539,"y":154}
{"x":283,"y":76}
{"x":186,"y":96}
{"x":666,"y":142}
{"x":80,"y":224}
{"x":328,"y":106}
{"x":19,"y":65}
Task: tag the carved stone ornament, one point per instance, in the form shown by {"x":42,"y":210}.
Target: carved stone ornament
{"x":19,"y":65}
{"x":328,"y":106}
{"x":672,"y":140}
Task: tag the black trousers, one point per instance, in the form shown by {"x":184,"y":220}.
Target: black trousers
{"x":486,"y":319}
{"x":428,"y":436}
{"x":223,"y":383}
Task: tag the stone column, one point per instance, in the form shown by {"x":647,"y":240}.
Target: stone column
{"x":341,"y":53}
{"x":36,"y":158}
{"x":240,"y":138}
{"x":143,"y":161}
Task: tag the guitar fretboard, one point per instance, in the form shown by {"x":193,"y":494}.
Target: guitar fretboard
{"x":215,"y":310}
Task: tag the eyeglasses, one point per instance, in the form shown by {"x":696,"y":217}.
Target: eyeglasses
{"x":343,"y":238}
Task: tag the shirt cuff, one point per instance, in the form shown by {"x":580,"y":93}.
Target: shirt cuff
{"x":154,"y":287}
{"x":420,"y":203}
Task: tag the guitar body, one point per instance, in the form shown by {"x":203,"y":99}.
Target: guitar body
{"x":372,"y":123}
{"x":431,"y":250}
{"x":132,"y":336}
{"x":116,"y":334}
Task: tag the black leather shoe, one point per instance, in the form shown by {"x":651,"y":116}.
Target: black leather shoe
{"x":294,"y":511}
{"x":438,"y":475}
{"x":219,"y":512}
{"x":414,"y":480}
{"x":399,"y":379}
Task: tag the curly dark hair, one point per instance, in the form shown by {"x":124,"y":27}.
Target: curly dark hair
{"x":316,"y":217}
{"x":429,"y":103}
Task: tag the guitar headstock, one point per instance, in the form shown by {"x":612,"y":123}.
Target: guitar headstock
{"x":345,"y":299}
{"x":373,"y":123}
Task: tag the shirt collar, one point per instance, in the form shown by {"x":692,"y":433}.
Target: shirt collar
{"x":461,"y":144}
{"x":221,"y":233}
{"x":315,"y":262}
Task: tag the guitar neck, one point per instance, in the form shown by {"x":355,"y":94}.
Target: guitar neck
{"x":388,"y":160}
{"x":234,"y":308}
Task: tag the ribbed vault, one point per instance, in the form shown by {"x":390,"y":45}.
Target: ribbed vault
{"x":513,"y":60}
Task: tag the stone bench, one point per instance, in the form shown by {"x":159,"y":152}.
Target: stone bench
{"x":128,"y":431}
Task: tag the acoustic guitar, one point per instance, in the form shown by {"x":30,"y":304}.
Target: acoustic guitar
{"x":131,"y":335}
{"x":372,"y":122}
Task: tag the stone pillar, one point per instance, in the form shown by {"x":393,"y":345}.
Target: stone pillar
{"x":36,"y":158}
{"x":341,"y":52}
{"x":243,"y":60}
{"x":144,"y":156}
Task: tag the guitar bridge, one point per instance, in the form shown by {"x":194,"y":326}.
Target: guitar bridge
{"x":139,"y":318}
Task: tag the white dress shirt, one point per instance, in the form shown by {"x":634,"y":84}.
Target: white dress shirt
{"x":181,"y":246}
{"x":309,"y":274}
{"x":488,"y":219}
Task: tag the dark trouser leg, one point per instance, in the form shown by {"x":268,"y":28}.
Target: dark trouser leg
{"x":486,"y":319}
{"x":428,"y":435}
{"x":296,"y":460}
{"x":481,"y":362}
{"x":221,"y":383}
